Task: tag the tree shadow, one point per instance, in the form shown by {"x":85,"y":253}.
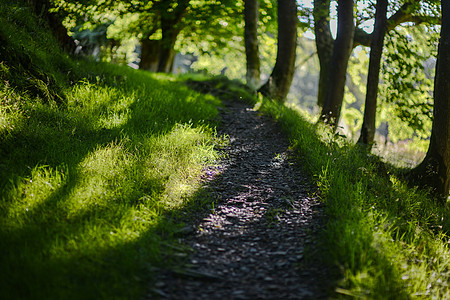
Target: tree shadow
{"x":32,"y":268}
{"x":125,"y":269}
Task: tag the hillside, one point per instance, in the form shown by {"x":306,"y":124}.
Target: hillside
{"x":124,"y":184}
{"x":92,"y":159}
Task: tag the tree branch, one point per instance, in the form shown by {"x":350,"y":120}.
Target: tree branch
{"x":305,"y":60}
{"x":403,"y":15}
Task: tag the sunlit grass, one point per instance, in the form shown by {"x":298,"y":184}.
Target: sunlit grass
{"x":88,"y":189}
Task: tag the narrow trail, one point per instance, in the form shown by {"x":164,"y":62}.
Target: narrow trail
{"x":252,"y":245}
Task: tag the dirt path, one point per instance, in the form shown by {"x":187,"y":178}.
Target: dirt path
{"x":252,"y":246}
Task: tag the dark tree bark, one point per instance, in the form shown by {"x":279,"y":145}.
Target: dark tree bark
{"x":251,"y":16}
{"x":434,"y":171}
{"x":41,"y":8}
{"x":167,"y":53}
{"x":341,"y":52}
{"x":149,"y":55}
{"x":170,"y":26}
{"x":279,"y":82}
{"x":376,"y":49}
{"x":324,"y":44}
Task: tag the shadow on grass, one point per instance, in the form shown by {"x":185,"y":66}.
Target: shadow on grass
{"x":123,"y":269}
{"x":40,"y":253}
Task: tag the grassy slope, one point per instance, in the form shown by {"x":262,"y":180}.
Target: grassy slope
{"x":95,"y":160}
{"x":95,"y":157}
{"x":388,"y":239}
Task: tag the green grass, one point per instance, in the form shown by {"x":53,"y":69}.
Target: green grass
{"x":390,"y":241}
{"x":85,"y":188}
{"x":96,"y":164}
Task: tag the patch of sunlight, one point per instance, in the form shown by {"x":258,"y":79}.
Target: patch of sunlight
{"x":9,"y":118}
{"x":304,"y":113}
{"x":403,"y":154}
{"x":132,"y":224}
{"x":114,"y":119}
{"x":176,"y":150}
{"x":163,"y":76}
{"x":176,"y":191}
{"x":5,"y":123}
{"x":102,"y":179}
{"x":194,"y":97}
{"x":32,"y":192}
{"x":99,"y":234}
{"x":118,"y":112}
{"x":107,"y":105}
{"x":176,"y":159}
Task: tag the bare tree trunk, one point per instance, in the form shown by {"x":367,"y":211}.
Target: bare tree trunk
{"x":434,"y":171}
{"x":341,"y":53}
{"x":149,"y":55}
{"x":279,"y":82}
{"x":251,"y":16}
{"x":324,"y":44}
{"x":376,"y":49}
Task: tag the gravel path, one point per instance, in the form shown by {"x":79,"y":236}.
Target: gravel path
{"x":252,"y":245}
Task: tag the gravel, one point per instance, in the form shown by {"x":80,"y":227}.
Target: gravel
{"x":260,"y":240}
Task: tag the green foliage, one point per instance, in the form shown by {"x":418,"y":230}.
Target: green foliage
{"x":355,"y":90}
{"x":407,"y":75}
{"x":207,"y":27}
{"x":408,"y":72}
{"x":303,"y":92}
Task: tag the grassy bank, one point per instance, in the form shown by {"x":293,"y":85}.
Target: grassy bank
{"x":95,"y":161}
{"x":389,"y":240}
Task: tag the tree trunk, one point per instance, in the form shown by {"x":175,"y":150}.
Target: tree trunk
{"x":324,"y":44}
{"x":376,"y":49}
{"x":341,"y":53}
{"x":167,"y":53}
{"x":279,"y":82}
{"x":149,"y":55}
{"x":251,"y":16}
{"x":434,"y":171}
{"x":171,"y":17}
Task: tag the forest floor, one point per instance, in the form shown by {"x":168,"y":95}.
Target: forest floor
{"x":261,"y":239}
